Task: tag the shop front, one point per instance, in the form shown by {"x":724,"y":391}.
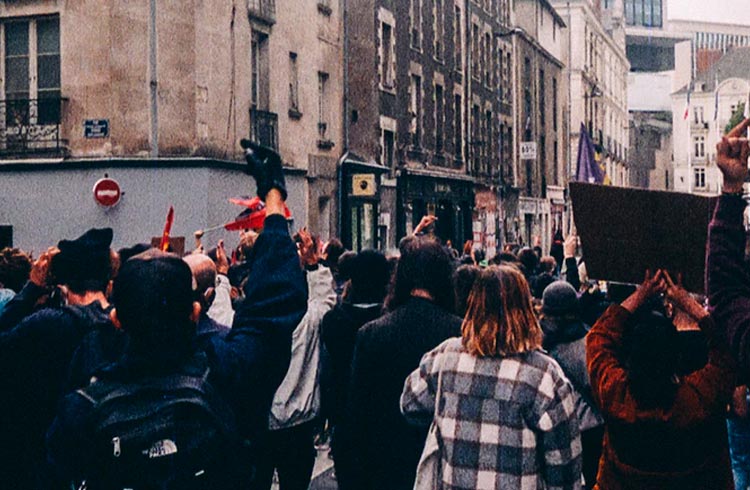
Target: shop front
{"x":361,"y":224}
{"x":450,"y":197}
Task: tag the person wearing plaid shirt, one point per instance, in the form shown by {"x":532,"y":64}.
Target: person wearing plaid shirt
{"x":507,"y":412}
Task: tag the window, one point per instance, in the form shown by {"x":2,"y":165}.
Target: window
{"x":554,"y":107}
{"x":457,"y":38}
{"x":489,"y":140}
{"x":24,"y":80}
{"x":439,"y":119}
{"x":389,"y":145}
{"x":458,"y":142}
{"x":438,"y":28}
{"x":475,"y":51}
{"x":475,"y":142}
{"x":415,"y":17}
{"x":259,"y":70}
{"x":542,"y":100}
{"x":387,"y":64}
{"x":323,"y":104}
{"x":527,"y":83}
{"x":293,"y":84}
{"x":699,"y":181}
{"x":700,"y":146}
{"x":486,"y":54}
{"x":698,"y":115}
{"x":646,"y":13}
{"x":416,"y":110}
{"x":556,"y":155}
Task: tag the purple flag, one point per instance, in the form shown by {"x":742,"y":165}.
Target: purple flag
{"x":587,"y":170}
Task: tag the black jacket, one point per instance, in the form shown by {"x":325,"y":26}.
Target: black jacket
{"x":384,"y":448}
{"x":34,"y":359}
{"x":339,"y":333}
{"x":247,"y":365}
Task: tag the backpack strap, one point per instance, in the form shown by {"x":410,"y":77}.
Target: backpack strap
{"x":102,"y":391}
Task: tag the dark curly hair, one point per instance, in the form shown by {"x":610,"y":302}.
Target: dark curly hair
{"x":15,"y":266}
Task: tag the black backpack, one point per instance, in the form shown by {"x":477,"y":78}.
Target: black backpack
{"x":164,"y":433}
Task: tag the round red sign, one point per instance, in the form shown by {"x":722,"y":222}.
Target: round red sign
{"x":107,"y":192}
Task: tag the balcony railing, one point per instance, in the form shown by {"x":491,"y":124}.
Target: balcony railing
{"x":262,"y":10}
{"x":32,"y":127}
{"x":264,"y":128}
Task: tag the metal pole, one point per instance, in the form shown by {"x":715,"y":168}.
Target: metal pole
{"x":153,"y":79}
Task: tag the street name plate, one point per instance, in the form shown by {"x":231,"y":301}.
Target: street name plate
{"x":96,"y":128}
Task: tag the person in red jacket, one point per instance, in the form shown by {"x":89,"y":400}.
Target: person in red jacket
{"x":662,"y":432}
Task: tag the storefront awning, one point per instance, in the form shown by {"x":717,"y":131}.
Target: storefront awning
{"x":438,"y":175}
{"x":357,"y":163}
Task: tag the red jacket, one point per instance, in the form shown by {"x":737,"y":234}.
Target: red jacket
{"x":680,"y":447}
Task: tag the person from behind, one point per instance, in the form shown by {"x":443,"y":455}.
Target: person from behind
{"x":564,"y":340}
{"x":205,"y":288}
{"x":463,"y":280}
{"x":362,"y":302}
{"x":662,"y":431}
{"x":36,"y":348}
{"x":385,"y":449}
{"x":294,"y":416}
{"x":155,"y":305}
{"x":96,"y":441}
{"x":547,"y":275}
{"x":506,"y":417}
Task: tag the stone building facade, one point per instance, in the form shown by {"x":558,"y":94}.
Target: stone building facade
{"x":157,"y":95}
{"x":598,"y":74}
{"x":540,"y":52}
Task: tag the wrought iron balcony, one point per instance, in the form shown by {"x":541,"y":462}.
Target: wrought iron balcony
{"x":262,"y":10}
{"x":32,"y":127}
{"x":264,"y":128}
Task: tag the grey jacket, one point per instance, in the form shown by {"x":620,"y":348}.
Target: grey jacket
{"x":297,"y":399}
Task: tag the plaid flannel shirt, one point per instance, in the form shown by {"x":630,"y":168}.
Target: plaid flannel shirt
{"x":503,"y":423}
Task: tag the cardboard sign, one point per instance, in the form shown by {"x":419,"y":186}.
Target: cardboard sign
{"x":626,"y":231}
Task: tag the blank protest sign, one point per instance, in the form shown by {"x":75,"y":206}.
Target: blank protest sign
{"x":626,"y":231}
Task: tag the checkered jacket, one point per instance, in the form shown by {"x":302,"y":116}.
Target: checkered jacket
{"x":504,"y":423}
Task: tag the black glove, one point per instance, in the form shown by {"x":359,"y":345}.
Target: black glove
{"x":264,"y":165}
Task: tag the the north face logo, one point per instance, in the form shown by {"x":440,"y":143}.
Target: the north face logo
{"x":161,"y":448}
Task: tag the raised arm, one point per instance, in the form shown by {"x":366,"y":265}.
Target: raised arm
{"x":727,"y":278}
{"x":604,"y":341}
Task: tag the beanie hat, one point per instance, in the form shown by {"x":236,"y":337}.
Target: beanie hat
{"x":153,"y":294}
{"x":83,"y":260}
{"x":559,"y":298}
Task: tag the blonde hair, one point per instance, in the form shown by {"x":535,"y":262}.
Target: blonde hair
{"x":500,"y":319}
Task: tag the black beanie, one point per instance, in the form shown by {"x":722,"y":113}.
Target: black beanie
{"x":84,"y":263}
{"x":559,"y":299}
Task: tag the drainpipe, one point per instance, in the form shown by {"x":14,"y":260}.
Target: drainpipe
{"x":340,"y":169}
{"x":153,"y":85}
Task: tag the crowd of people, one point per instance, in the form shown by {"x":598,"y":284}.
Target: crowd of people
{"x":429,"y":369}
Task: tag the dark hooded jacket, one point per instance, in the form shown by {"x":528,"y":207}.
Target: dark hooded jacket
{"x":339,"y":333}
{"x":34,"y":360}
{"x":246,"y":365}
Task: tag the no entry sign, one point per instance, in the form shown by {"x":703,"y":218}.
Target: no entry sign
{"x":107,"y":192}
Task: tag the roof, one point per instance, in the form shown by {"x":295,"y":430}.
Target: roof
{"x":734,"y":64}
{"x":554,"y":13}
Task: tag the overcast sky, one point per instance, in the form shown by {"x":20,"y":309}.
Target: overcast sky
{"x":726,"y":11}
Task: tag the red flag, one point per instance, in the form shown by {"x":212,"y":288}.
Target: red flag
{"x":252,"y":220}
{"x":164,"y":245}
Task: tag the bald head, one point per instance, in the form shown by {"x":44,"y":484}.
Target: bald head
{"x":204,"y":271}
